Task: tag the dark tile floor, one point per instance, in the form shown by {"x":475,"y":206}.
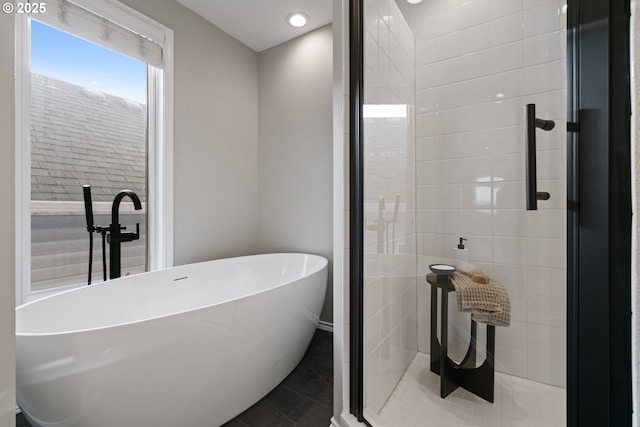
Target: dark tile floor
{"x":304,"y":398}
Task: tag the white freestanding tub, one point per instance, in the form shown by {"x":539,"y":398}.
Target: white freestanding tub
{"x":188,"y":346}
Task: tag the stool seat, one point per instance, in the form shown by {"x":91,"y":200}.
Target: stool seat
{"x":479,"y":380}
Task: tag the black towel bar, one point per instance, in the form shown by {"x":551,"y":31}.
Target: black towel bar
{"x":532,"y":194}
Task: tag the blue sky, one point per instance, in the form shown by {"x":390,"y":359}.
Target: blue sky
{"x":68,"y":58}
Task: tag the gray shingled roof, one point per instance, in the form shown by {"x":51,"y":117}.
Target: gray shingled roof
{"x":82,"y":136}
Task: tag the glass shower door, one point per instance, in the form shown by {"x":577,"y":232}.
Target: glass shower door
{"x":446,"y":84}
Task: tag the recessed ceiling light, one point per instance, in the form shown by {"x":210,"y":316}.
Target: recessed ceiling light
{"x":297,"y":19}
{"x":414,"y":1}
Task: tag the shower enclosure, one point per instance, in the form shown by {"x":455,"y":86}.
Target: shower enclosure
{"x":462,"y":154}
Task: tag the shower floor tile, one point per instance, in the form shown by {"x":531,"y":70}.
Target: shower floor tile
{"x":518,"y":402}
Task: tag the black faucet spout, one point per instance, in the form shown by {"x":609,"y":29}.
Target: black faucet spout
{"x":115,"y":208}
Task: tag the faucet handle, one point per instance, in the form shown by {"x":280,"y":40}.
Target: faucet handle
{"x":125,"y":237}
{"x":132,"y":236}
{"x":136,"y":235}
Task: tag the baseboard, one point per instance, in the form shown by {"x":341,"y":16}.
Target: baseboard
{"x":18,"y":411}
{"x":325,"y":326}
{"x":334,"y":422}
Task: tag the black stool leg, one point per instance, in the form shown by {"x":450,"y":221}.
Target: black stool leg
{"x":444,"y":332}
{"x":434,"y":355}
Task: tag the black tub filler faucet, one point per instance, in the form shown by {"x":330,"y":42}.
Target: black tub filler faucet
{"x":113,"y":233}
{"x":116,"y":237}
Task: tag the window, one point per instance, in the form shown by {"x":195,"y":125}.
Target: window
{"x":94,"y":107}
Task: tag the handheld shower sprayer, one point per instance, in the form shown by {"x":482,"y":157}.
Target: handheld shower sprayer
{"x":91,"y":228}
{"x":88,"y":208}
{"x":88,"y":211}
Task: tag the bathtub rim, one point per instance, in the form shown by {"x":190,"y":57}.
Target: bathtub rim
{"x":324,"y":262}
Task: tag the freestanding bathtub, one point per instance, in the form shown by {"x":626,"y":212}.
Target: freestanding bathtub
{"x":188,"y":346}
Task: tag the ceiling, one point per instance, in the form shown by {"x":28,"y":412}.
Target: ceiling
{"x":260,"y":24}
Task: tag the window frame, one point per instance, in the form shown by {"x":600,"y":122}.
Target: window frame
{"x":160,"y":137}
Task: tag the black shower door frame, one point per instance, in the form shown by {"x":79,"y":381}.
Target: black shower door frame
{"x":599,"y":215}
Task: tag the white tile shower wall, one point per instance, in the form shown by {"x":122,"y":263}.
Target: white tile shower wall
{"x":390,"y":246}
{"x":478,"y":63}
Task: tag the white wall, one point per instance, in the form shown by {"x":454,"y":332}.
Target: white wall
{"x":389,"y":182}
{"x":7,"y":226}
{"x":340,"y":210}
{"x":295,"y":149}
{"x":477,"y":64}
{"x":215,"y":139}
